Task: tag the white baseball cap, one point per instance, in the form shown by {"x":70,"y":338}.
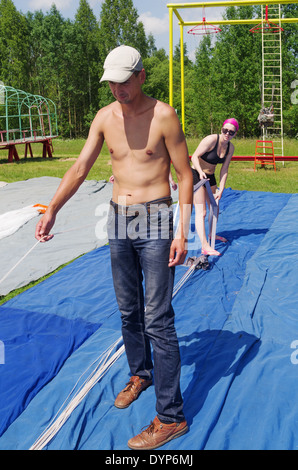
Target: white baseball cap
{"x":121,"y":63}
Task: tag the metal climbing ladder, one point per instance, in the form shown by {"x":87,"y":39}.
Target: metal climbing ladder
{"x":272,"y":75}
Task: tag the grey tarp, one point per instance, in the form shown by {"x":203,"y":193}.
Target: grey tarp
{"x":78,"y":228}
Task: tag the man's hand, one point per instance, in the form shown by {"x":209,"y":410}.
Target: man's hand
{"x":178,"y":252}
{"x":43,"y":228}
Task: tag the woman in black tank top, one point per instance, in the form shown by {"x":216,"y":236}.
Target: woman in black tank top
{"x":212,"y":150}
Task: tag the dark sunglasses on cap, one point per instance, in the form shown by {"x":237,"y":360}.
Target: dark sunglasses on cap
{"x":227,"y":131}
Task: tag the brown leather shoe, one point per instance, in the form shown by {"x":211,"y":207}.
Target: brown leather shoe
{"x":157,"y":434}
{"x":131,"y":392}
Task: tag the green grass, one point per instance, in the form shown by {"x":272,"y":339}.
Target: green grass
{"x":241,"y":174}
{"x":65,"y":152}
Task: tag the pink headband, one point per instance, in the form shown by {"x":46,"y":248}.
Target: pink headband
{"x":233,"y":122}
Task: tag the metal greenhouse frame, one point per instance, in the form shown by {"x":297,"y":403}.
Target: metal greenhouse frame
{"x":25,"y":119}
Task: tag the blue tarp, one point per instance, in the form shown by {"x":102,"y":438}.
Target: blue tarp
{"x":237,"y":326}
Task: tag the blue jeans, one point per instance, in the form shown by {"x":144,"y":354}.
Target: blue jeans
{"x":140,"y":243}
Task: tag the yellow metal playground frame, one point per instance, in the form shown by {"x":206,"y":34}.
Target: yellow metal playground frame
{"x":173,"y":9}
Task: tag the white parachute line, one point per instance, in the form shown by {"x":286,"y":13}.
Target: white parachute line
{"x":96,"y":360}
{"x":183,"y":280}
{"x":34,"y":246}
{"x":20,"y":260}
{"x":94,"y":377}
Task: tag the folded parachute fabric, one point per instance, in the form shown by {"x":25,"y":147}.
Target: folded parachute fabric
{"x":12,"y":221}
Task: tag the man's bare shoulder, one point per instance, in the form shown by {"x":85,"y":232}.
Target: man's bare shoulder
{"x":164,"y":110}
{"x":103,"y":116}
{"x":107,"y":110}
{"x":168,"y":121}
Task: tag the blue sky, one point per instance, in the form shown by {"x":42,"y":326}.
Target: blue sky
{"x":153,"y":13}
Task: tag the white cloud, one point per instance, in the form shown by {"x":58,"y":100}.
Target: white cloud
{"x":153,"y":24}
{"x":46,"y":4}
{"x":95,"y":3}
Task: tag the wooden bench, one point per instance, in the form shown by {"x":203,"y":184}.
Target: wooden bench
{"x":10,"y":145}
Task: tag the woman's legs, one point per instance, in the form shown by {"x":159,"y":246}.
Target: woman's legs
{"x":200,"y":199}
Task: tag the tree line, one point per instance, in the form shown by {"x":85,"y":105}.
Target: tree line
{"x":62,"y":59}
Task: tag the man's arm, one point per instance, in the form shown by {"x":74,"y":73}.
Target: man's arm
{"x":72,"y":180}
{"x":177,"y":148}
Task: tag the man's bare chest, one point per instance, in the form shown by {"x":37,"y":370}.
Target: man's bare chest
{"x":134,"y":140}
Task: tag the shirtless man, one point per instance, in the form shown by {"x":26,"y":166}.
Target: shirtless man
{"x":143,"y":136}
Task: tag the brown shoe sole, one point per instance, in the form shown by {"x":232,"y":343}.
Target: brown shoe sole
{"x":174,"y":436}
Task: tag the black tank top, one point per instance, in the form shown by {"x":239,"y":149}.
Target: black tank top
{"x":212,"y":157}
